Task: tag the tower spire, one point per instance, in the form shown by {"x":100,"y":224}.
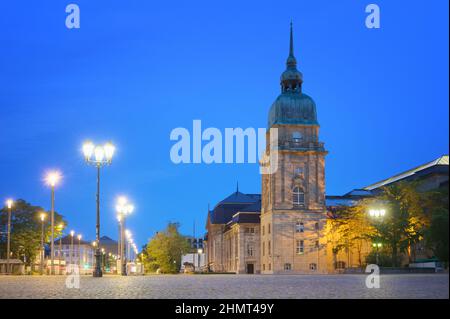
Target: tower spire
{"x":237,"y":187}
{"x":291,"y":43}
{"x":291,"y":61}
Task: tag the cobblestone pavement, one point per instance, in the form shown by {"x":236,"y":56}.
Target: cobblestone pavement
{"x":227,"y":286}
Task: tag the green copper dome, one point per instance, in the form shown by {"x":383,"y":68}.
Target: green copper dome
{"x":292,"y":106}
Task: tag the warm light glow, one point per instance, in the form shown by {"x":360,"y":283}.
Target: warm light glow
{"x":119,"y":218}
{"x":61,"y":226}
{"x":42,"y":216}
{"x":99,"y":154}
{"x":79,"y":237}
{"x":88,"y":149}
{"x":109,"y":151}
{"x":9,"y":203}
{"x":123,"y":207}
{"x":94,"y":243}
{"x":379,"y":244}
{"x":72,"y":232}
{"x":53,"y":178}
{"x":377,"y":213}
{"x":122,"y":200}
{"x":128,"y":233}
{"x":200,"y":251}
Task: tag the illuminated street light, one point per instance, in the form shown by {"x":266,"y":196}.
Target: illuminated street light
{"x":79,"y":250}
{"x":123,"y":209}
{"x":377,"y":246}
{"x":72,"y":233}
{"x":98,"y":156}
{"x":52,"y":179}
{"x":376,"y":213}
{"x":9,"y":205}
{"x":61,"y":228}
{"x":42,"y":217}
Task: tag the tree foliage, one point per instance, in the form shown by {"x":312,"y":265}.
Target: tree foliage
{"x":350,"y":229}
{"x":26,"y":230}
{"x":165,"y":249}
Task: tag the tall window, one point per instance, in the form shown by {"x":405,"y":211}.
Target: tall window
{"x":287,"y":267}
{"x":313,"y":267}
{"x":269,"y":248}
{"x":268,"y":228}
{"x":249,"y":250}
{"x":316,"y":226}
{"x":263,"y":249}
{"x":298,"y":196}
{"x":263,"y":230}
{"x":299,"y":227}
{"x":300,"y":247}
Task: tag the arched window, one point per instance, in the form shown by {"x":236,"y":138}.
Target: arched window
{"x":298,"y":196}
{"x":296,"y":137}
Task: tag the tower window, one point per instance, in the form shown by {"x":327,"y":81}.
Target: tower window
{"x":313,"y":267}
{"x":287,"y":267}
{"x":316,"y":226}
{"x":299,"y":227}
{"x":296,"y":137}
{"x":298,"y":196}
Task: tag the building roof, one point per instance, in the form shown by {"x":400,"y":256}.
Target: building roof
{"x":67,"y":240}
{"x":246,"y":218}
{"x":236,"y":202}
{"x":438,"y":165}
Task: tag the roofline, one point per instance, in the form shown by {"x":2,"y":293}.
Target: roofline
{"x":405,"y":174}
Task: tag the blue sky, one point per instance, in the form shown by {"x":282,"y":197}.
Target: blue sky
{"x":137,"y":69}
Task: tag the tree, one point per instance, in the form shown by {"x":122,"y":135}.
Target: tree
{"x":436,"y":236}
{"x":165,"y":249}
{"x":405,"y":221}
{"x":350,"y":229}
{"x":26,"y":230}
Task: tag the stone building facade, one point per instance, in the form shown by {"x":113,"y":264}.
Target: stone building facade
{"x":286,"y":229}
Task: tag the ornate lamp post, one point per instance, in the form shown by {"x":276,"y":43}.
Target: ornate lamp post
{"x":42,"y":217}
{"x":61,"y":227}
{"x":79,"y":251}
{"x":98,"y":156}
{"x":123,"y":210}
{"x":72,"y":233}
{"x":377,"y":214}
{"x":9,"y":204}
{"x":52,"y":179}
{"x":199,"y":251}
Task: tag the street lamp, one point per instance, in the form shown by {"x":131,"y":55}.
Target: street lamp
{"x":9,"y":204}
{"x":52,"y":179}
{"x":98,"y":156}
{"x":377,"y":213}
{"x":123,"y":209}
{"x":61,"y":227}
{"x":377,"y":246}
{"x":79,"y":250}
{"x":199,"y":251}
{"x":72,"y":233}
{"x":42,"y":217}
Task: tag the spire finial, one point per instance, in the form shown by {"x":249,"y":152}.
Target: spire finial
{"x":291,"y":61}
{"x":291,"y":43}
{"x":237,"y":187}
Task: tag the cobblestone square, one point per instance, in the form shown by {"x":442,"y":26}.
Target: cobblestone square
{"x":227,"y":286}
